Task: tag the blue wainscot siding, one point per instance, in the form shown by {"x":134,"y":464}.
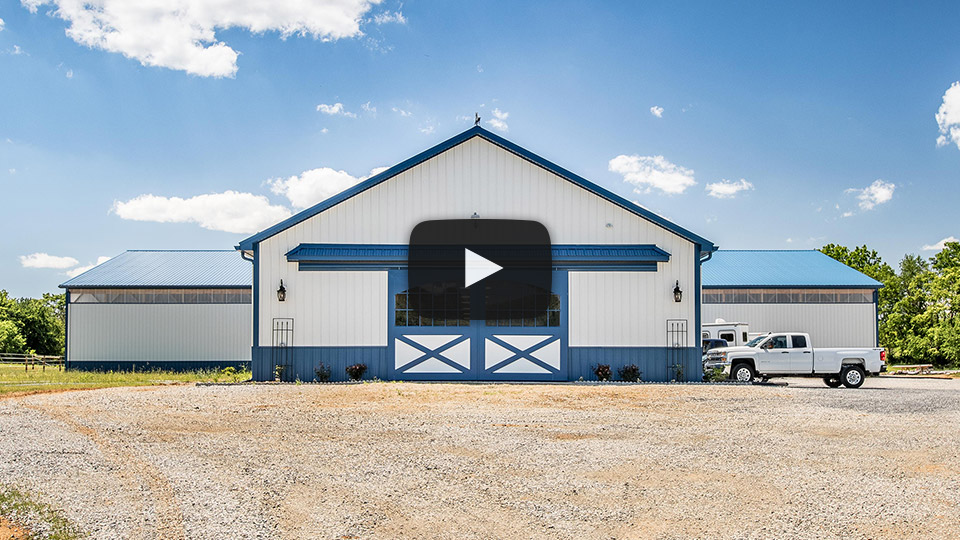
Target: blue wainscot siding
{"x":302,"y":361}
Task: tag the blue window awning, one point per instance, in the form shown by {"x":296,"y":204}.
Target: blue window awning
{"x":617,"y":256}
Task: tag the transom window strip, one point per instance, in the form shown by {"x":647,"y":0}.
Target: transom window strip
{"x":160,"y":296}
{"x":787,"y":296}
{"x":449,"y":306}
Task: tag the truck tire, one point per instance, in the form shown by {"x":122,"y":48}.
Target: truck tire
{"x":742,"y":372}
{"x":833,"y":381}
{"x":852,"y":376}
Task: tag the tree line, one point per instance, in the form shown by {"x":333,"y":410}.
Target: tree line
{"x":918,"y":305}
{"x":32,"y":325}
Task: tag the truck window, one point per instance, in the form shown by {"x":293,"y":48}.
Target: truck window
{"x":727,"y":336}
{"x":745,"y":337}
{"x":705,"y":335}
{"x":799,"y":342}
{"x":777,"y":342}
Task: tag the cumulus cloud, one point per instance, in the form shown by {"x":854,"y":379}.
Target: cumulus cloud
{"x":940,"y":245}
{"x":229,"y":211}
{"x":44,"y":260}
{"x":2,"y":24}
{"x":310,"y":187}
{"x":948,"y":117}
{"x":652,"y":172}
{"x":368,"y":108}
{"x":499,"y":120}
{"x":182,"y":34}
{"x":336,"y":109}
{"x":81,"y":269}
{"x":402,"y":112}
{"x":656,"y":111}
{"x":69,"y":74}
{"x":876,"y":193}
{"x":725,"y":189}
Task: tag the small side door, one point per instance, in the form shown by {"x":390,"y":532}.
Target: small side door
{"x":774,"y":356}
{"x":801,"y":354}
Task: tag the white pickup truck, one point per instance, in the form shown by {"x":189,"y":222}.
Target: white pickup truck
{"x":791,"y":354}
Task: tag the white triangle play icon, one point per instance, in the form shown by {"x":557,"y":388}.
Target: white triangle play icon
{"x":476,"y":267}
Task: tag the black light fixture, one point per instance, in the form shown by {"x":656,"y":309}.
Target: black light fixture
{"x":282,"y":292}
{"x":677,"y":293}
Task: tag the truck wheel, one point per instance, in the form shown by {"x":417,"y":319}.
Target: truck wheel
{"x":832,"y":381}
{"x":742,"y":373}
{"x":852,"y":376}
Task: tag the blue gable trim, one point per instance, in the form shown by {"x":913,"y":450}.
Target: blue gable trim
{"x":357,"y":256}
{"x":476,"y":131}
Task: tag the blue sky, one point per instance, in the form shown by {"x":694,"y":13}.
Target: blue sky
{"x":756,"y":126}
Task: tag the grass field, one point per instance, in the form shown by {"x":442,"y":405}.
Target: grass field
{"x":14,"y":380}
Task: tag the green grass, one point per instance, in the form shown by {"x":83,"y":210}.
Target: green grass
{"x":44,"y":521}
{"x":14,"y":380}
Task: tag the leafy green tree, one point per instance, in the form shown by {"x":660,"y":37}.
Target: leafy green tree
{"x":10,"y":339}
{"x":38,"y":321}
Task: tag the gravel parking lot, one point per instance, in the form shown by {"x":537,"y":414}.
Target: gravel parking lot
{"x":485,"y":461}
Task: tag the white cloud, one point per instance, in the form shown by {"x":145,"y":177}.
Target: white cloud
{"x":846,"y":214}
{"x":652,"y":172}
{"x":789,"y":240}
{"x":656,"y":111}
{"x":402,"y":112}
{"x":2,"y":24}
{"x":43,"y":260}
{"x":69,"y":73}
{"x":182,"y":34}
{"x":229,"y":211}
{"x":499,"y":120}
{"x":426,"y":130}
{"x":310,"y":187}
{"x":948,"y":117}
{"x":941,"y":244}
{"x":725,"y":189}
{"x":390,"y":17}
{"x":367,"y":107}
{"x":336,"y":109}
{"x":479,"y":68}
{"x":81,"y":269}
{"x":16,"y":50}
{"x":324,"y":131}
{"x":876,"y":193}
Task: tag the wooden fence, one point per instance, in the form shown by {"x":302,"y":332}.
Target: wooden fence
{"x":31,"y":361}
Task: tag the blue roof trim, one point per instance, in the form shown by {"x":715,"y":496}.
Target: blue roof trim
{"x":760,"y":269}
{"x":615,"y":254}
{"x":477,"y":131}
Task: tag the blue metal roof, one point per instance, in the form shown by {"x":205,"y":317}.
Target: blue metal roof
{"x":775,"y":268}
{"x":477,"y":131}
{"x":173,"y":269}
{"x":397,"y":253}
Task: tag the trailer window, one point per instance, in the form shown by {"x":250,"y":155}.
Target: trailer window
{"x":729,"y":337}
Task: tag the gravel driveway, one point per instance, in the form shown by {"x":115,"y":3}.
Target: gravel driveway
{"x":485,"y":461}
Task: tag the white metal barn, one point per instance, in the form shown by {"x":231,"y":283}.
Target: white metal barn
{"x":342,"y":264}
{"x":160,"y":310}
{"x":799,"y":291}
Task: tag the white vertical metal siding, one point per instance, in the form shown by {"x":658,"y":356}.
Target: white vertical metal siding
{"x":329,"y":308}
{"x":153,"y":332}
{"x":474,"y":177}
{"x":624,"y":309}
{"x":829,"y":325}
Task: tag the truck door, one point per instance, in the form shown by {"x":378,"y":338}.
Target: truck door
{"x":774,"y":355}
{"x":801,"y":354}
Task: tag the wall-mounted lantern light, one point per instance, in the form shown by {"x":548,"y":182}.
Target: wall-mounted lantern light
{"x":677,"y":293}
{"x":282,"y":292}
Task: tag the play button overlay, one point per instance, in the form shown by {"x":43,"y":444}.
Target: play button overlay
{"x":462,"y":269}
{"x":476,"y":268}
